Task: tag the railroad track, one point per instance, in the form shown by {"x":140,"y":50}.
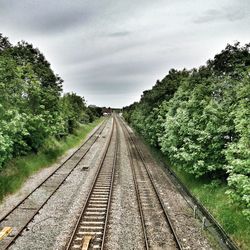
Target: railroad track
{"x":209,"y":223}
{"x":90,"y":229}
{"x":158,"y":229}
{"x":24,"y":212}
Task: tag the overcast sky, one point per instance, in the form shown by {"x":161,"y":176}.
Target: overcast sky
{"x":109,"y":51}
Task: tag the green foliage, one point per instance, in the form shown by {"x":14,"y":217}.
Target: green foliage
{"x":17,"y":170}
{"x":197,"y":125}
{"x":240,"y":191}
{"x":74,"y":111}
{"x":201,"y":120}
{"x":238,"y":152}
{"x":4,"y":43}
{"x":31,"y":107}
{"x":211,"y":193}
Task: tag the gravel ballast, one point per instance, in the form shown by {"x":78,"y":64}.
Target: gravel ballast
{"x":51,"y":228}
{"x":189,"y":229}
{"x":124,"y":228}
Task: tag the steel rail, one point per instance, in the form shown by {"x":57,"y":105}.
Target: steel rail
{"x":111,"y":188}
{"x":214,"y":227}
{"x":49,"y":176}
{"x":100,"y":165}
{"x":100,"y":129}
{"x":168,"y":219}
{"x":137,"y":195}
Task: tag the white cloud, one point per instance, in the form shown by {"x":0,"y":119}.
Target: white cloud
{"x":110,"y":51}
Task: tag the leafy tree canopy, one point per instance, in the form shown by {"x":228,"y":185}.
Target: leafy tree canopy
{"x":200,"y":119}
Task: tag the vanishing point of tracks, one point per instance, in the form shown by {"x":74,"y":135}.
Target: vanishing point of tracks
{"x":90,"y":231}
{"x":24,"y":212}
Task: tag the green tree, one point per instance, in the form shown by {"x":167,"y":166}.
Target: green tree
{"x":31,"y":107}
{"x":238,"y":153}
{"x":200,"y":119}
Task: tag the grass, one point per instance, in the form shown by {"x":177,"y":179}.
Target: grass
{"x":212,"y":195}
{"x":16,"y":171}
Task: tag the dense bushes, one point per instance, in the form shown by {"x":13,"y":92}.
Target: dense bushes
{"x":201,"y":120}
{"x":31,"y":106}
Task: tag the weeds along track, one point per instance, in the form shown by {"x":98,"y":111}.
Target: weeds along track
{"x":24,"y":212}
{"x":90,"y":229}
{"x":158,"y":230}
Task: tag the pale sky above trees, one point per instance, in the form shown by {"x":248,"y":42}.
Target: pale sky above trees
{"x":110,"y":51}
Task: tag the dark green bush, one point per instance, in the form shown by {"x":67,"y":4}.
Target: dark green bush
{"x":201,"y":120}
{"x":31,"y":107}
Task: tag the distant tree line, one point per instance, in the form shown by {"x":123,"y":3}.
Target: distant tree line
{"x":32,"y":108}
{"x":200,"y":119}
